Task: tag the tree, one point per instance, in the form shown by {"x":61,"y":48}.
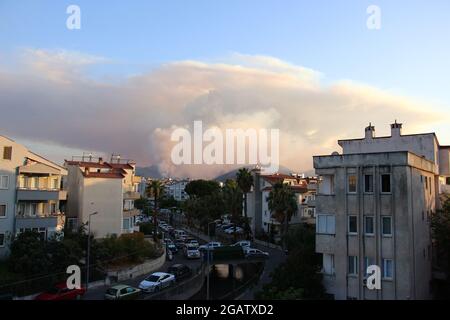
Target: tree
{"x":232,"y":195}
{"x":155,"y":190}
{"x":440,"y":226}
{"x":201,"y":188}
{"x":282,"y":205}
{"x":245,"y":181}
{"x":299,"y":276}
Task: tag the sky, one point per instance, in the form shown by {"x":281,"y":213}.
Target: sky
{"x":138,"y":69}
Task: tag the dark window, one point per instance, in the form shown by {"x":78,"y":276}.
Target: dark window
{"x":386,"y":226}
{"x":353,"y":224}
{"x":7,"y":153}
{"x":386,"y":183}
{"x":368,"y":225}
{"x":2,"y":239}
{"x":368,"y":183}
{"x":447,"y":181}
{"x":353,"y":265}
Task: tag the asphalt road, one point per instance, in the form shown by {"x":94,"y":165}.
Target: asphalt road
{"x":98,"y":292}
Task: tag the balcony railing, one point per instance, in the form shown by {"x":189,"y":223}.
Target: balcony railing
{"x":42,"y":220}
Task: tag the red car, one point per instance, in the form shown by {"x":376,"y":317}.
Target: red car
{"x":61,"y":292}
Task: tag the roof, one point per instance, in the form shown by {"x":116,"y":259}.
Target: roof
{"x":388,"y":137}
{"x":105,"y":175}
{"x":296,"y":189}
{"x":87,"y":164}
{"x":120,"y":165}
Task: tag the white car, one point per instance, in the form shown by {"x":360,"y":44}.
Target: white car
{"x":243,"y":244}
{"x":157,"y":281}
{"x":210,"y":246}
{"x":191,"y":252}
{"x":233,"y":230}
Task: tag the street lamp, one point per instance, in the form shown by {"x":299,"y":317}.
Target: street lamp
{"x":89,"y":248}
{"x":207,"y":263}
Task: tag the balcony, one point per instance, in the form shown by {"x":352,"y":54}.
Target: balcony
{"x":25,"y":194}
{"x":325,"y":203}
{"x":55,"y":220}
{"x":131,"y":195}
{"x":131,"y":213}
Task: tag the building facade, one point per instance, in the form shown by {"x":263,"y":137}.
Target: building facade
{"x":175,"y":189}
{"x":108,"y":188}
{"x":373,"y":207}
{"x":31,"y":194}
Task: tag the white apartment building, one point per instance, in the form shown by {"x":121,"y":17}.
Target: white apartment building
{"x":108,"y":188}
{"x":175,"y":188}
{"x":373,"y":207}
{"x":258,"y":206}
{"x":31,"y":195}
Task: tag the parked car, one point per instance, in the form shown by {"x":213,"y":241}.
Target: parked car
{"x":210,"y":246}
{"x":61,"y":292}
{"x":180,"y":271}
{"x":192,"y":241}
{"x":122,"y":292}
{"x":225,"y":226}
{"x":255,"y":253}
{"x":179,"y":233}
{"x":234,"y":230}
{"x":172,"y":247}
{"x":157,"y":281}
{"x":243,"y":243}
{"x":179,"y":244}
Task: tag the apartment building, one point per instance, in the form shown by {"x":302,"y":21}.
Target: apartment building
{"x":258,"y":205}
{"x":31,"y":194}
{"x":108,"y":188}
{"x":175,"y":188}
{"x":373,"y":207}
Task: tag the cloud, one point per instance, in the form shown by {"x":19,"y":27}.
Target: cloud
{"x":52,"y":99}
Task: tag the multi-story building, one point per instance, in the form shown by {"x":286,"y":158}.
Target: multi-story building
{"x":31,"y":194}
{"x":108,"y":188}
{"x":258,"y":210}
{"x":373,"y":207}
{"x":175,"y":188}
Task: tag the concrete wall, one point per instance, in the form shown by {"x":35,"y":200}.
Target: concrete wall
{"x":145,"y":268}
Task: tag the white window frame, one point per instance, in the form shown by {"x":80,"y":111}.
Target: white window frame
{"x":381,"y":183}
{"x":6,"y":210}
{"x":370,"y":234}
{"x":385,"y":269}
{"x":348,"y":225}
{"x":328,"y":218}
{"x":2,"y":245}
{"x":355,"y":260}
{"x":7,"y":182}
{"x":388,"y":235}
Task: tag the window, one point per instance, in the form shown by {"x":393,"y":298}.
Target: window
{"x":351,"y":184}
{"x":126,"y":223}
{"x":55,"y":184}
{"x":4,"y":182}
{"x":53,"y":208}
{"x":325,"y":224}
{"x":386,"y":226}
{"x":2,"y":239}
{"x":426,"y":182}
{"x":386,"y":183}
{"x":430,"y":184}
{"x":368,"y":262}
{"x":328,"y":264}
{"x":388,"y":269}
{"x":34,"y":209}
{"x":2,"y":210}
{"x":447,"y":181}
{"x":352,"y":265}
{"x":368,"y":183}
{"x":368,"y":225}
{"x":352,"y":224}
{"x":7,"y":153}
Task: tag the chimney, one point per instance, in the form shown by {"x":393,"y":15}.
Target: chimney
{"x":370,"y":132}
{"x":396,"y":129}
{"x":100,"y":160}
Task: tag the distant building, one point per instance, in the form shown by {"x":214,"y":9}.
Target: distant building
{"x":373,"y":207}
{"x":109,"y":188}
{"x":258,"y":206}
{"x":175,"y":188}
{"x":31,"y":194}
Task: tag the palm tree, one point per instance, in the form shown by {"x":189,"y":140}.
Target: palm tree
{"x":282,"y":205}
{"x":233,"y":202}
{"x":244,"y":179}
{"x":155,"y":190}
